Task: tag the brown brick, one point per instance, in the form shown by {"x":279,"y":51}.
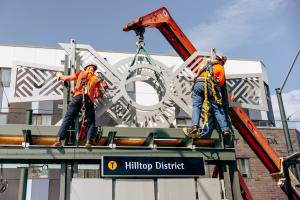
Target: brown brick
{"x":261,"y":184}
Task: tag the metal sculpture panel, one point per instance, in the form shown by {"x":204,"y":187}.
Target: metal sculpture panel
{"x":172,"y":86}
{"x":34,"y":82}
{"x":247,"y":91}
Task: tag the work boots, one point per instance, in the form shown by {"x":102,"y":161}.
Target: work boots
{"x":88,"y":143}
{"x":194,"y":130}
{"x":226,"y":133}
{"x":57,"y":142}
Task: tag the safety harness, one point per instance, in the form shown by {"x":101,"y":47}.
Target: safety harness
{"x":81,"y":84}
{"x":207,"y":76}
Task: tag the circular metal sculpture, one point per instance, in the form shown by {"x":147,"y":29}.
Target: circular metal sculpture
{"x":133,"y":113}
{"x":171,"y":87}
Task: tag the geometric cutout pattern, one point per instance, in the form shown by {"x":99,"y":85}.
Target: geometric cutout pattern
{"x":244,"y":90}
{"x":32,"y":82}
{"x":247,"y":91}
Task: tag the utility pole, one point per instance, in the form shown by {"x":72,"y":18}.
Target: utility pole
{"x":284,"y":122}
{"x":282,"y":111}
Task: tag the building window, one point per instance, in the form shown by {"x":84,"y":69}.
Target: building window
{"x":5,"y":77}
{"x":243,"y":165}
{"x":3,"y":119}
{"x":43,"y":120}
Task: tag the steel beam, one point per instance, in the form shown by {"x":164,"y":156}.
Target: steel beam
{"x":225,"y":175}
{"x":24,"y":170}
{"x":93,"y":155}
{"x":63,"y":182}
{"x":23,"y":183}
{"x":128,"y":132}
{"x":235,"y":184}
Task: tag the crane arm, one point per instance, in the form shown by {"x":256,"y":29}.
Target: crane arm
{"x":255,"y":140}
{"x":162,"y":20}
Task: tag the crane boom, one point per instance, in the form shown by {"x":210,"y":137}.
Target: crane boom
{"x":162,"y":20}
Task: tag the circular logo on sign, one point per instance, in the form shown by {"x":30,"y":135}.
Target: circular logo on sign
{"x":112,"y":165}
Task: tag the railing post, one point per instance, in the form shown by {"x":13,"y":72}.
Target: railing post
{"x":63,"y":181}
{"x":24,"y":170}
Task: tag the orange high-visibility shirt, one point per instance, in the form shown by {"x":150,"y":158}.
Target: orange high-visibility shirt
{"x":92,"y":84}
{"x":219,"y":74}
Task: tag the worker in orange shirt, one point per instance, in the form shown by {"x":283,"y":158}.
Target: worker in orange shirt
{"x":206,"y":88}
{"x":87,"y":88}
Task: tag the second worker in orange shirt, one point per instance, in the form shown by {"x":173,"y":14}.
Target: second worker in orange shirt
{"x":214,"y":77}
{"x":87,"y":87}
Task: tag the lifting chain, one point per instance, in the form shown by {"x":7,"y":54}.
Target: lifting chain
{"x":140,"y":44}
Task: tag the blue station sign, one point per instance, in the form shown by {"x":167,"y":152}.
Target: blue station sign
{"x":124,"y":166}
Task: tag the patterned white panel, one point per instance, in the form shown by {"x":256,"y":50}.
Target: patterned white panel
{"x":247,"y":91}
{"x":34,"y":82}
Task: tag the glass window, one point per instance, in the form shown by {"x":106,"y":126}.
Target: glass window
{"x":3,"y":118}
{"x":36,"y":120}
{"x":46,"y":120}
{"x":43,"y":120}
{"x":243,"y":165}
{"x":5,"y":76}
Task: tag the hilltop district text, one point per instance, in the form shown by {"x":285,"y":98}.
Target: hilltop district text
{"x":156,"y":165}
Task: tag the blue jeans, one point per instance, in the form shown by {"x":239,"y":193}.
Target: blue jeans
{"x":198,"y":98}
{"x":73,"y":110}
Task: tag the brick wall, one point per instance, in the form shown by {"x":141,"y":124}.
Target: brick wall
{"x":260,"y":183}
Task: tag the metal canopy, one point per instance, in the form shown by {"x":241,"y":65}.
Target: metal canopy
{"x":155,"y":142}
{"x":49,"y":155}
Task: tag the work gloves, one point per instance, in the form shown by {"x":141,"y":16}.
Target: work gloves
{"x":58,"y":74}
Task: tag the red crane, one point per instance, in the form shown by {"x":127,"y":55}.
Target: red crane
{"x":162,"y":20}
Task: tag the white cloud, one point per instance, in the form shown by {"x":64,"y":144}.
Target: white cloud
{"x":291,"y":101}
{"x":235,"y":24}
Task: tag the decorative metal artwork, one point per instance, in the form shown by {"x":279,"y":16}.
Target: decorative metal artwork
{"x":33,"y":82}
{"x":247,"y":91}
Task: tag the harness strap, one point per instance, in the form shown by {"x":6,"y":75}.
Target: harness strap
{"x":205,"y":103}
{"x":82,"y":131}
{"x":78,"y":82}
{"x":218,"y":100}
{"x":205,"y":128}
{"x":90,"y":89}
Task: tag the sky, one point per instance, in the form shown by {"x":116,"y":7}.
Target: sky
{"x":266,"y":30}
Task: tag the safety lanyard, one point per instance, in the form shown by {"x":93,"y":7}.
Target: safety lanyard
{"x":207,"y":79}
